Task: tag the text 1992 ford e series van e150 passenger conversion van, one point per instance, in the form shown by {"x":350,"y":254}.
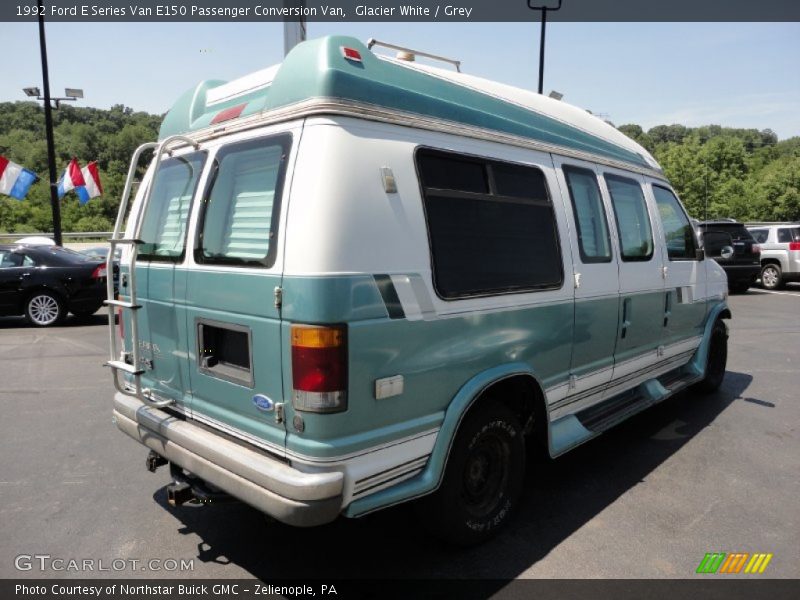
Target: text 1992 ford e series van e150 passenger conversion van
{"x":351,"y":281}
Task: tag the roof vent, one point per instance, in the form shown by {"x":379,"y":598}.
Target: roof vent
{"x":405,"y":55}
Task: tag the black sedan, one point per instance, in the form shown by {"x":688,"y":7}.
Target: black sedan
{"x":46,"y":282}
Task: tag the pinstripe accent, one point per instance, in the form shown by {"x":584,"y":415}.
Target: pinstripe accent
{"x":389,"y":295}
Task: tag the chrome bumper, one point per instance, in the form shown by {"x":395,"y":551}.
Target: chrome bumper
{"x":289,"y":495}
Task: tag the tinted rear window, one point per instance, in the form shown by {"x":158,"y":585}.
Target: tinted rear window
{"x":737,"y":231}
{"x":788,"y":234}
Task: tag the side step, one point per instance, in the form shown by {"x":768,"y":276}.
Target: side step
{"x":608,"y":413}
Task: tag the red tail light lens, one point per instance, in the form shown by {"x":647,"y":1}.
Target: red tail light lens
{"x":794,"y":245}
{"x":99,"y":271}
{"x":319,"y":368}
{"x":755,"y":249}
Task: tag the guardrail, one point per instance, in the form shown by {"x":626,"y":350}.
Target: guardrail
{"x":85,"y":235}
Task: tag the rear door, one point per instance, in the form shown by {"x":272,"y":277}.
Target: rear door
{"x":232,"y":318}
{"x":596,"y":276}
{"x":160,"y":283}
{"x":641,"y":279}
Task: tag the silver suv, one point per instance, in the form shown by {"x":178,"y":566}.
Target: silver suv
{"x":780,"y":252}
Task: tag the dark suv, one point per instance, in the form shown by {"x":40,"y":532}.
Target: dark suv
{"x":744,"y":265}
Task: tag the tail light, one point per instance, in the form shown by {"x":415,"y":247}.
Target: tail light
{"x":794,"y":245}
{"x":100,"y":271}
{"x":319,"y":368}
{"x":755,"y":249}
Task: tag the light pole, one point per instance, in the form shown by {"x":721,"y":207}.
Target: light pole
{"x":71,"y":95}
{"x":544,"y":10}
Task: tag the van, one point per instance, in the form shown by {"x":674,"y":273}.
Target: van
{"x":351,"y":281}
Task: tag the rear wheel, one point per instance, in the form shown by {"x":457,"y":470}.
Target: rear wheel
{"x":44,"y":309}
{"x":771,"y":277}
{"x":717,"y":359}
{"x":483,"y":479}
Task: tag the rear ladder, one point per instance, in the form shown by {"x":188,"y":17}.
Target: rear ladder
{"x":117,"y":360}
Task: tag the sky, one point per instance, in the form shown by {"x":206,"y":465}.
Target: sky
{"x":730,"y":74}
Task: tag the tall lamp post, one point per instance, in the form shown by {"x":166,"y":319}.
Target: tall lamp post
{"x":544,"y":9}
{"x":70,"y":95}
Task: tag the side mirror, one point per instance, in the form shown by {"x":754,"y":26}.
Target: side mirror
{"x":726,"y":252}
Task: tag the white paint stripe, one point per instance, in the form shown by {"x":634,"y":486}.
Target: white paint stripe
{"x":772,"y":292}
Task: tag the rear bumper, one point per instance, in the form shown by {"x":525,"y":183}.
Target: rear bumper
{"x":741,"y":273}
{"x":289,"y":495}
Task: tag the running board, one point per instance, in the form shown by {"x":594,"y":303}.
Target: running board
{"x":608,"y":413}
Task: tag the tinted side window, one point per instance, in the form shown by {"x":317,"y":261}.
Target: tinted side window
{"x":164,"y":223}
{"x":590,"y":216}
{"x":760,"y":235}
{"x":240,"y":212}
{"x":677,"y":229}
{"x":786,"y":235}
{"x":500,"y":239}
{"x":633,"y":223}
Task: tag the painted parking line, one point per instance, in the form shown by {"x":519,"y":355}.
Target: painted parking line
{"x":755,"y":291}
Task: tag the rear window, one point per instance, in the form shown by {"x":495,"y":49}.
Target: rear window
{"x":491,"y":225}
{"x":759,"y":235}
{"x":239,"y":223}
{"x":788,"y":234}
{"x":163,"y":229}
{"x":737,"y":231}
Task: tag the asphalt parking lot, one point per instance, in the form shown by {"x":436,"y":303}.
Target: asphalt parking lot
{"x":646,"y":500}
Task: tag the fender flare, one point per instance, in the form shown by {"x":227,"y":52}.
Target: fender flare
{"x":429,"y":480}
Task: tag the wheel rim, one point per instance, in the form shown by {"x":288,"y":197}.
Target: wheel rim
{"x":485,"y":474}
{"x":769,"y":277}
{"x":43,"y":309}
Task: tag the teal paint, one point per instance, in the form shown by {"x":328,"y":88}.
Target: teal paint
{"x":429,"y":479}
{"x":316,"y":69}
{"x":332,"y":299}
{"x":697,"y":365}
{"x":566,"y":433}
{"x":435,"y":358}
{"x":596,"y":330}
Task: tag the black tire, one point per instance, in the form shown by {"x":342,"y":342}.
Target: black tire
{"x":739,"y":287}
{"x":717,"y":359}
{"x":44,"y":308}
{"x":483,"y":479}
{"x":771,"y":277}
{"x":86,"y":312}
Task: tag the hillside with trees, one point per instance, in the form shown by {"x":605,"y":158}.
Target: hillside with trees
{"x":741,"y":173}
{"x":107,"y":136}
{"x":745,"y":174}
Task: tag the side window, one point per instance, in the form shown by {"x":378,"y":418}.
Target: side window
{"x":633,"y":223}
{"x":787,"y":235}
{"x":10,"y":259}
{"x":590,"y":216}
{"x":491,"y":225}
{"x":28,"y":262}
{"x":164,"y":223}
{"x":760,"y":235}
{"x":240,"y":212}
{"x":677,"y":229}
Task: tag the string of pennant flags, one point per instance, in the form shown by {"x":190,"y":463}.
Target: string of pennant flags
{"x":16,"y":180}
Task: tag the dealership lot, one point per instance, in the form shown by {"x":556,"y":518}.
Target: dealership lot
{"x":648,"y":499}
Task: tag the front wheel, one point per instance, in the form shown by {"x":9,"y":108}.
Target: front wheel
{"x":771,"y":277}
{"x":717,"y":359}
{"x":483,"y":479}
{"x":44,"y":309}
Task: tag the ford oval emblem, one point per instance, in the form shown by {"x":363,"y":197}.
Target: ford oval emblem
{"x":263,"y":403}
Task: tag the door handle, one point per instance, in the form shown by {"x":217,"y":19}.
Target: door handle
{"x":667,"y":307}
{"x":24,"y":275}
{"x":626,"y":311}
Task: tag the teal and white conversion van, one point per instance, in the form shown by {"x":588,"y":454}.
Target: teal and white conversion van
{"x":352,"y":280}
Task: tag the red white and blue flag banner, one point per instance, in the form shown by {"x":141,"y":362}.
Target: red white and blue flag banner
{"x":92,"y":188}
{"x":15,"y":180}
{"x":71,"y":179}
